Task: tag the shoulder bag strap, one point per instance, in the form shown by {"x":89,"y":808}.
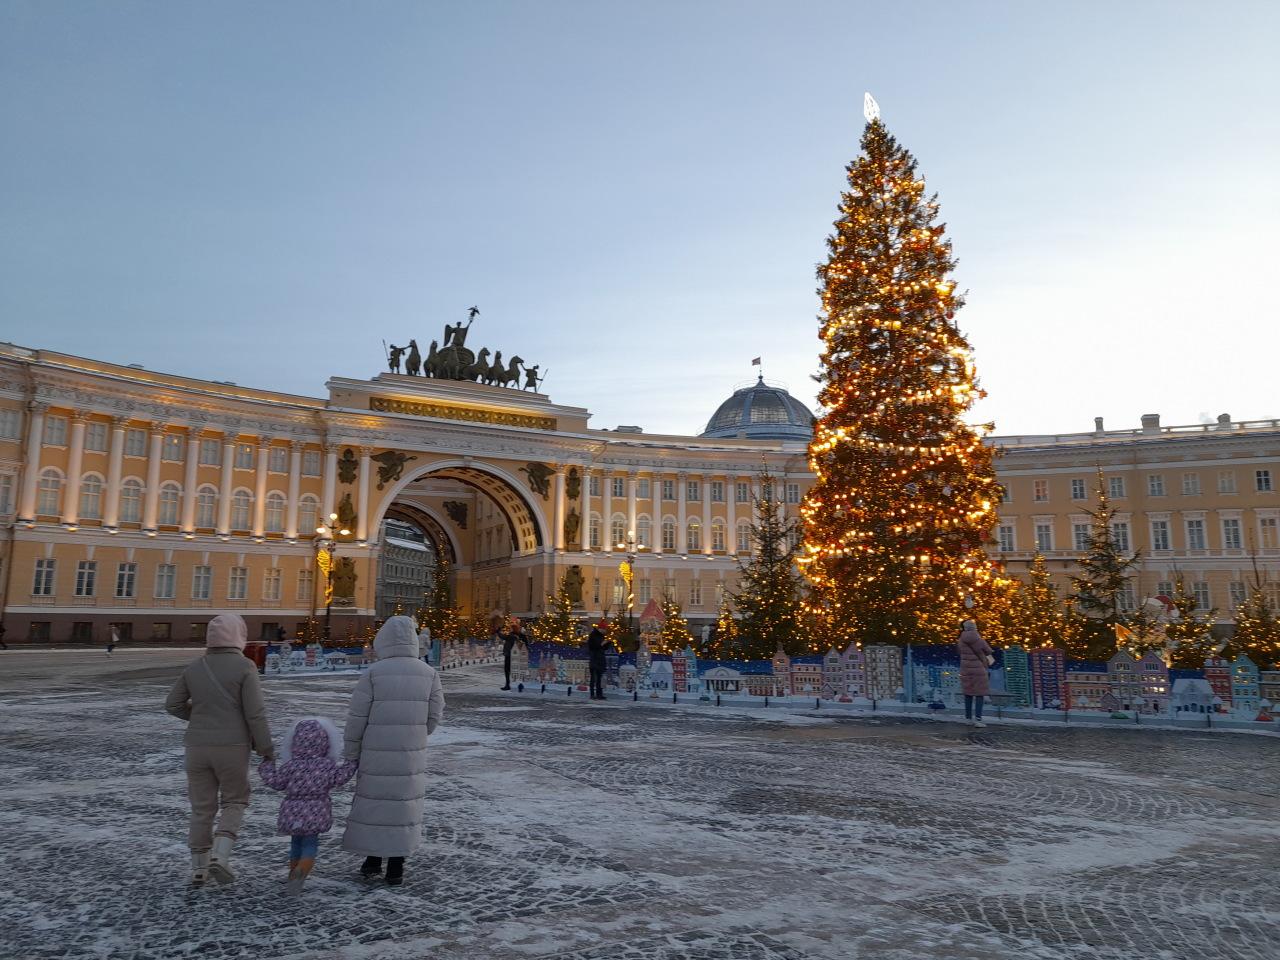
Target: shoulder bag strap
{"x":226,"y":694}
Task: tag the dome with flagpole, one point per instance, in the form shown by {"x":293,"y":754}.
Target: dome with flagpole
{"x":761,"y":411}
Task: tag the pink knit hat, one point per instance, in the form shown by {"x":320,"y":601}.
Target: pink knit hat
{"x":226,"y":630}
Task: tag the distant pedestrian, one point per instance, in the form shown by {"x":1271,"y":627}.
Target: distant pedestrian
{"x":515,"y":634}
{"x":3,"y":645}
{"x":310,"y":769}
{"x":112,"y":641}
{"x":975,"y":661}
{"x":396,"y":705}
{"x":596,"y":646}
{"x":220,"y":698}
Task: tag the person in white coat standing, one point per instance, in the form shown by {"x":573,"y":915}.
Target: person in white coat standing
{"x":397,"y":704}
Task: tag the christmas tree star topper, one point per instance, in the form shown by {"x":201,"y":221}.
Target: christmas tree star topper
{"x":870,"y":109}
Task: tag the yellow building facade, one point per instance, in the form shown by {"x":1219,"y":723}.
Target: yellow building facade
{"x":147,"y":503}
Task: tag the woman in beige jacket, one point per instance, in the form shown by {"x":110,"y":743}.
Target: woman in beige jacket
{"x":220,"y":698}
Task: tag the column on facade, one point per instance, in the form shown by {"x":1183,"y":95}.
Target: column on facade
{"x":260,"y":487}
{"x":31,"y":479}
{"x":190,"y":481}
{"x":330,"y":480}
{"x":682,"y":512}
{"x":228,"y":481}
{"x":115,"y":470}
{"x":75,"y":463}
{"x":362,"y":507}
{"x":655,"y":528}
{"x":584,"y":508}
{"x":557,"y":535}
{"x":152,"y":503}
{"x":632,"y":484}
{"x":731,"y":514}
{"x":606,"y":510}
{"x":295,"y":483}
{"x":706,"y":515}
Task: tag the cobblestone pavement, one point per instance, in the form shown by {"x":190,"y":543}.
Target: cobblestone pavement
{"x":563,"y":829}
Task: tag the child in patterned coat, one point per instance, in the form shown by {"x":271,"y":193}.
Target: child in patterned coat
{"x":308,"y":771}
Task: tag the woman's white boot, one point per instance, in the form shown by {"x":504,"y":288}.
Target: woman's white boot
{"x":220,"y":860}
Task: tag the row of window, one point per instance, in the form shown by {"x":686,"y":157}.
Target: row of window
{"x":693,"y":538}
{"x":166,"y":575}
{"x":168,"y":503}
{"x":172,"y":447}
{"x":1262,"y":483}
{"x":1161,"y":539}
{"x":693,"y":489}
{"x":616,"y":591}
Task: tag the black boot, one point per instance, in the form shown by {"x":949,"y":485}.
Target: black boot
{"x":371,"y":867}
{"x":395,"y":871}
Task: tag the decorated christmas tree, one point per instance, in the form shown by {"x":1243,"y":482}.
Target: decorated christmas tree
{"x":1100,"y":588}
{"x":1257,"y":633}
{"x":768,"y":598}
{"x":674,"y":634}
{"x":1044,"y":618}
{"x":557,"y":624}
{"x":1188,"y":632}
{"x":723,"y":644}
{"x":440,"y":614}
{"x":905,"y":492}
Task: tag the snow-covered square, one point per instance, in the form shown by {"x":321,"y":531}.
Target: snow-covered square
{"x":558,"y":828}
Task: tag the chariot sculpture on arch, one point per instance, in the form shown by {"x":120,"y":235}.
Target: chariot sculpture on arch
{"x":451,"y":359}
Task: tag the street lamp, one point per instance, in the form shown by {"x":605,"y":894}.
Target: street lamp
{"x":628,"y":570}
{"x":327,"y":539}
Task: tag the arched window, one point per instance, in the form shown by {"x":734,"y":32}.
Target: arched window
{"x":668,"y":534}
{"x":744,"y":537}
{"x":717,"y":535}
{"x":131,"y":501}
{"x":91,"y":497}
{"x":50,"y":501}
{"x":206,"y":507}
{"x":241,"y":506}
{"x":170,"y":495}
{"x":693,"y":539}
{"x":593,"y":532}
{"x":308,"y":515}
{"x":275,"y":512}
{"x":644,"y":532}
{"x":618,"y":530}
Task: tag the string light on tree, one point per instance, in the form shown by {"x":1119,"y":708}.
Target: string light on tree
{"x":905,"y":492}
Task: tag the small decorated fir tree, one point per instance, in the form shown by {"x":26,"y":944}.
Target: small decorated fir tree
{"x":557,"y":624}
{"x":768,"y":598}
{"x":1188,"y":633}
{"x":1257,"y":633}
{"x":674,"y":634}
{"x":1044,"y":618}
{"x":440,"y":614}
{"x":1102,"y":583}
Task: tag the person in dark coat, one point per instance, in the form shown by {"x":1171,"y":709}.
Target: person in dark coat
{"x":515,"y":634}
{"x":975,"y":660}
{"x":596,"y":646}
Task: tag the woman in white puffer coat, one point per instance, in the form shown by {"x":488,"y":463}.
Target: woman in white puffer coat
{"x":396,"y":705}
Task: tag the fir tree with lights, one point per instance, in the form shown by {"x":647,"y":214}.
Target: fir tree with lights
{"x":440,"y":614}
{"x":1044,"y":618}
{"x":1188,"y":634}
{"x":557,"y":624}
{"x":1100,"y":586}
{"x":723,"y":644}
{"x":1257,"y":633}
{"x":674,"y":633}
{"x":906,"y":491}
{"x":769,"y":595}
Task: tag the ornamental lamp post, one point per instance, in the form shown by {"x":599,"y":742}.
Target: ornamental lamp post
{"x":628,"y":570}
{"x":327,"y":539}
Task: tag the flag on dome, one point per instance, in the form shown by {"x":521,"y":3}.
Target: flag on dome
{"x":755,"y":362}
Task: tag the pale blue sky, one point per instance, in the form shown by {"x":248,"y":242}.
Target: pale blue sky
{"x":636,"y":195}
